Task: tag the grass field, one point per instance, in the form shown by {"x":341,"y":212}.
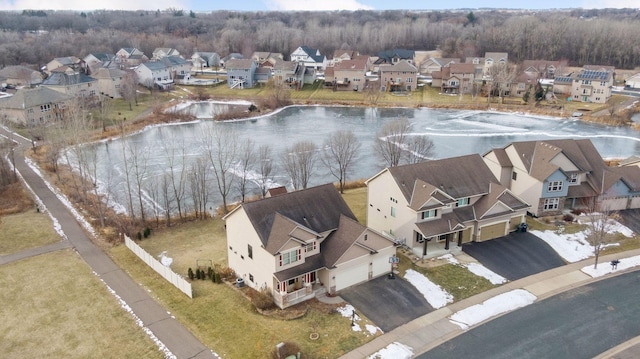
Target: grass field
{"x":53,"y":306}
{"x":25,"y":230}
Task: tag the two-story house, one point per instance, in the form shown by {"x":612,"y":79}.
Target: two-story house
{"x":128,"y":57}
{"x":289,"y":73}
{"x":350,"y":74}
{"x":457,"y":78}
{"x":342,"y":55}
{"x":494,"y":58}
{"x":36,"y":106}
{"x":311,"y":58}
{"x":241,"y":73}
{"x":201,"y":60}
{"x":454,"y":200}
{"x":179,"y":68}
{"x":554,"y":175}
{"x":72,"y":83}
{"x":71,"y":62}
{"x":395,"y":56}
{"x":154,"y":74}
{"x":592,"y":86}
{"x":433,"y":64}
{"x":301,"y":244}
{"x":402,"y":76}
{"x":162,"y":52}
{"x":20,"y":76}
{"x":109,"y":81}
{"x":266,"y":59}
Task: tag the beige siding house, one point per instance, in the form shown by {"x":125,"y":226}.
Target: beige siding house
{"x":32,"y":107}
{"x":559,"y":175}
{"x":402,"y":76}
{"x":301,"y":244}
{"x":350,"y":74}
{"x":434,"y":207}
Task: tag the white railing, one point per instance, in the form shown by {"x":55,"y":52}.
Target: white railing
{"x":165,"y":272}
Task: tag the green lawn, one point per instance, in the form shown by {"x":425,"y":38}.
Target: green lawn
{"x":53,"y":306}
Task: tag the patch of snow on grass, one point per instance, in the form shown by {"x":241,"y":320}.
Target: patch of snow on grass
{"x":348,"y":311}
{"x":571,"y":247}
{"x":394,"y":350}
{"x":482,"y":271}
{"x":605,"y":268}
{"x":372,"y":329}
{"x":491,"y":307}
{"x":433,"y":293}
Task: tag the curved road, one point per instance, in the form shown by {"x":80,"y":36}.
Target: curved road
{"x":169,"y":331}
{"x":579,"y":323}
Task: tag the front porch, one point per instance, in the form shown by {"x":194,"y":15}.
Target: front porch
{"x":296,"y":285}
{"x":308,"y":291}
{"x":436,"y":246}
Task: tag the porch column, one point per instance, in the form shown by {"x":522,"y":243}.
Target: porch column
{"x":446,"y":241}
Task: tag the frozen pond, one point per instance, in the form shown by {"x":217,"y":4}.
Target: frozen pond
{"x":454,"y":133}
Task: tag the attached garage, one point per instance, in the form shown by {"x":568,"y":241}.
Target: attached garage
{"x":514,"y":222}
{"x":492,"y":231}
{"x":346,"y":277}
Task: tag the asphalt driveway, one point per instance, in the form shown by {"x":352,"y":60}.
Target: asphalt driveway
{"x":515,"y":256}
{"x":389,"y":303}
{"x":631,"y":219}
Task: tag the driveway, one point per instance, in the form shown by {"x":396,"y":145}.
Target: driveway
{"x":389,"y":303}
{"x":515,"y":256}
{"x":631,"y":219}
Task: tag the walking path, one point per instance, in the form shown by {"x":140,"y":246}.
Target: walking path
{"x":8,"y":258}
{"x":433,"y":329}
{"x":170,"y":333}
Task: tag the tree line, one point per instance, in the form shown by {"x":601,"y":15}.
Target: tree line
{"x":603,"y":37}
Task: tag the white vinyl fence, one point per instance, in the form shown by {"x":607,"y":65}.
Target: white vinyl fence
{"x":166,"y":272}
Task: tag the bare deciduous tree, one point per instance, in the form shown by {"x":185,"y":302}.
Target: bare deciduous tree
{"x":265,"y":168}
{"x":339,"y":153}
{"x":174,"y":150}
{"x":221,"y":149}
{"x":129,"y":88}
{"x":299,"y":163}
{"x":419,"y":149}
{"x":246,"y":161}
{"x":599,"y":230}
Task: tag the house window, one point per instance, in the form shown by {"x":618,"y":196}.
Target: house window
{"x":289,"y":257}
{"x":249,"y":251}
{"x":393,"y":212}
{"x":430,"y":214}
{"x":573,"y":178}
{"x":554,"y":186}
{"x":419,"y":237}
{"x":463,"y":202}
{"x":251,"y":277}
{"x":551,"y":203}
{"x":514,"y":175}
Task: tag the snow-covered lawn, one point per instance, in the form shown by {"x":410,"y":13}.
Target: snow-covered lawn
{"x":477,"y":269}
{"x":433,"y":293}
{"x":491,"y":307}
{"x":606,"y":268}
{"x":394,"y":350}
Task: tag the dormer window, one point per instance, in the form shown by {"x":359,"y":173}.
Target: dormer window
{"x":463,"y":202}
{"x":432,"y":213}
{"x":573,"y":179}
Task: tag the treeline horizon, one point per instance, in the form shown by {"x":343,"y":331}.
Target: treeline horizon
{"x":582,"y":37}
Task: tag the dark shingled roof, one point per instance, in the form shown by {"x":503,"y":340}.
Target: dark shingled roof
{"x":339,"y":241}
{"x":313,"y":53}
{"x":318,"y":208}
{"x":62,"y":79}
{"x":459,"y":177}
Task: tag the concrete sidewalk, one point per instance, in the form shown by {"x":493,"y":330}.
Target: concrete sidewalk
{"x":433,"y":329}
{"x":170,"y":333}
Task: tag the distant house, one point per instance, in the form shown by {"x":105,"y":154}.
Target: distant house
{"x":162,"y":52}
{"x":179,"y":68}
{"x":554,"y":175}
{"x":128,"y":57}
{"x":241,"y":73}
{"x":563,"y":85}
{"x":309,"y":57}
{"x":289,"y":73}
{"x":633,"y":81}
{"x":402,"y":76}
{"x":523,"y":83}
{"x":494,"y":58}
{"x":95,"y":61}
{"x":36,"y":106}
{"x":20,"y":76}
{"x":342,"y":55}
{"x":231,"y":56}
{"x":431,"y":65}
{"x":543,"y":69}
{"x":457,"y":78}
{"x":592,"y":86}
{"x":266,"y":59}
{"x":395,"y":56}
{"x":350,"y":74}
{"x":71,"y":83}
{"x":154,"y":74}
{"x":202,"y":60}
{"x":436,"y":206}
{"x":109,"y":81}
{"x":303,"y":244}
{"x":71,"y":62}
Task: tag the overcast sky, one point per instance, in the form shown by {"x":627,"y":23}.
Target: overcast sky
{"x":265,"y":5}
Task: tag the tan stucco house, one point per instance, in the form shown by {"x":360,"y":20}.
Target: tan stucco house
{"x":33,"y":107}
{"x":402,"y":76}
{"x":301,"y":244}
{"x":554,"y":175}
{"x":444,"y":202}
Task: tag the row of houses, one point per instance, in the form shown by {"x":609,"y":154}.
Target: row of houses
{"x":306,"y":243}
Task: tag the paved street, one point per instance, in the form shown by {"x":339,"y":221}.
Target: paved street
{"x":168,"y":330}
{"x":580,"y":323}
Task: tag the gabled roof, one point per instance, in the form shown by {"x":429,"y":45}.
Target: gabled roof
{"x":462,"y":69}
{"x":64,"y":79}
{"x":594,"y":75}
{"x":314,"y":54}
{"x":108,"y":73}
{"x":400,"y":66}
{"x":537,"y":156}
{"x":458,"y":177}
{"x":27,"y":98}
{"x":104,"y":57}
{"x":630,"y":161}
{"x":387,"y":55}
{"x":174,"y":60}
{"x":498,"y":195}
{"x":448,"y":223}
{"x":359,"y":64}
{"x":339,"y":241}
{"x":239,"y":64}
{"x":318,"y":209}
{"x":67,"y":60}
{"x":17,"y":72}
{"x":154,"y":65}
